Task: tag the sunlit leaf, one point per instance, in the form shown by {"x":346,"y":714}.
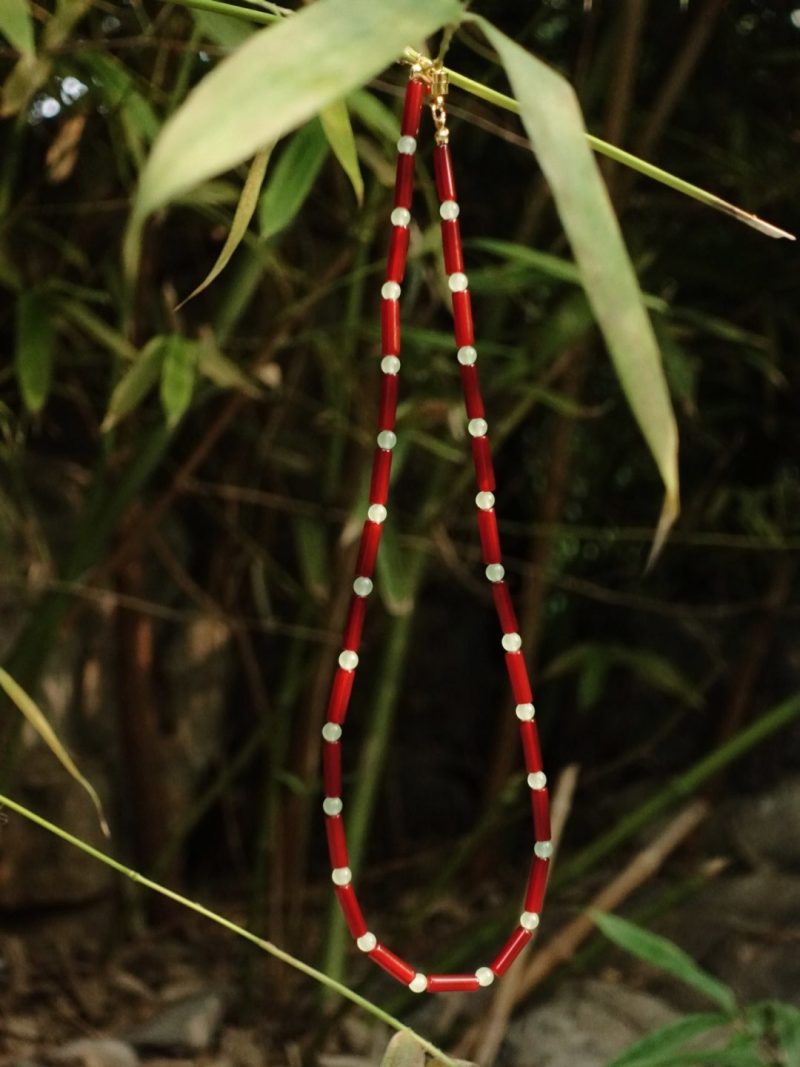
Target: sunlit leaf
{"x":666,"y":956}
{"x":178,"y":370}
{"x":33,"y":361}
{"x":245,"y":210}
{"x":16,"y":25}
{"x":292,"y":178}
{"x":37,"y":719}
{"x":551,"y":115}
{"x":335,"y":121}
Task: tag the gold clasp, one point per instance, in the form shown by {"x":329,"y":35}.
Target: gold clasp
{"x":438,"y":91}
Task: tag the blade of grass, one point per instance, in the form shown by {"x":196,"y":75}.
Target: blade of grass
{"x":220,"y":920}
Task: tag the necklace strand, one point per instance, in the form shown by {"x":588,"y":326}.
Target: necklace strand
{"x":430,"y":82}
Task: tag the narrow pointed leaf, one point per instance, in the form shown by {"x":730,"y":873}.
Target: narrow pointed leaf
{"x":335,"y":121}
{"x":34,"y":352}
{"x":38,"y":721}
{"x":666,"y":956}
{"x":135,"y":384}
{"x":16,"y":25}
{"x":668,"y":1039}
{"x":178,"y":372}
{"x":245,"y":210}
{"x":280,"y":78}
{"x":552,"y":118}
{"x":222,"y":371}
{"x":292,"y":178}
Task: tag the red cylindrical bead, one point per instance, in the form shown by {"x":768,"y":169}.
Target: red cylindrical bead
{"x":340,"y":695}
{"x":482,"y":458}
{"x":443,"y":171}
{"x":540,"y":803}
{"x":530,"y":743}
{"x":510,"y":950}
{"x":368,"y":551}
{"x":452,"y":983}
{"x":390,"y":327}
{"x":451,"y":246}
{"x":490,"y":535}
{"x":354,"y":625}
{"x":504,"y":607}
{"x":351,"y":909}
{"x":412,"y":108}
{"x":332,"y":768}
{"x":381,"y":470}
{"x":337,"y":846}
{"x":388,"y":409}
{"x":537,"y":884}
{"x":462,"y":316}
{"x":473,"y":401}
{"x":404,"y":181}
{"x":392,"y":964}
{"x":518,"y":675}
{"x":398,"y":251}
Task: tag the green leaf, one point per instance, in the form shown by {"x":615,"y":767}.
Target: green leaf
{"x":335,"y":121}
{"x":551,"y":115}
{"x":279,"y":79}
{"x":38,"y":721}
{"x":222,"y":29}
{"x":220,"y":370}
{"x":312,"y":551}
{"x":375,"y":115}
{"x":661,"y":953}
{"x":34,"y":352}
{"x":178,"y":371}
{"x":16,"y":25}
{"x":669,"y":1038}
{"x":292,"y":179}
{"x":245,"y":210}
{"x":136,"y":383}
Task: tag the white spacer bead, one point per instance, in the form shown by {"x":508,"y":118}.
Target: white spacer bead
{"x":495,"y":572}
{"x":331,"y":731}
{"x":341,"y":876}
{"x":348,"y":660}
{"x":477,"y":427}
{"x":466,"y":356}
{"x":418,"y":984}
{"x":332,"y":805}
{"x":407,"y":145}
{"x":537,"y":780}
{"x":485,"y":501}
{"x":387,"y":440}
{"x":457,"y":282}
{"x":529,"y":920}
{"x":376,"y":513}
{"x":485,"y":976}
{"x":362,"y":586}
{"x":390,"y":291}
{"x":449,"y":210}
{"x":401,"y":216}
{"x":525,"y":712}
{"x":390,"y":364}
{"x":367,"y":942}
{"x":543,"y":849}
{"x":512,"y":642}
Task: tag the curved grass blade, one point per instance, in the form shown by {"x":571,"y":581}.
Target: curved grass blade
{"x":335,"y":121}
{"x":552,"y":117}
{"x":38,"y":721}
{"x":245,"y":210}
{"x":292,"y":179}
{"x":33,"y":360}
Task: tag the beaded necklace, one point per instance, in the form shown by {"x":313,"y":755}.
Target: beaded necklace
{"x":429,"y":81}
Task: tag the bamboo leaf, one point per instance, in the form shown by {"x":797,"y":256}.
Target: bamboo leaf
{"x":669,"y":1038}
{"x":34,"y":352}
{"x":551,"y":115}
{"x":245,"y":210}
{"x":135,"y":384}
{"x":178,"y":370}
{"x":16,"y":25}
{"x":220,"y":370}
{"x":338,"y":129}
{"x":279,"y":79}
{"x":292,"y":179}
{"x":661,"y":953}
{"x":38,"y":721}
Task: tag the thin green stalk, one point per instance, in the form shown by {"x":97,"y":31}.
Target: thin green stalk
{"x":220,"y":920}
{"x":234,"y":10}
